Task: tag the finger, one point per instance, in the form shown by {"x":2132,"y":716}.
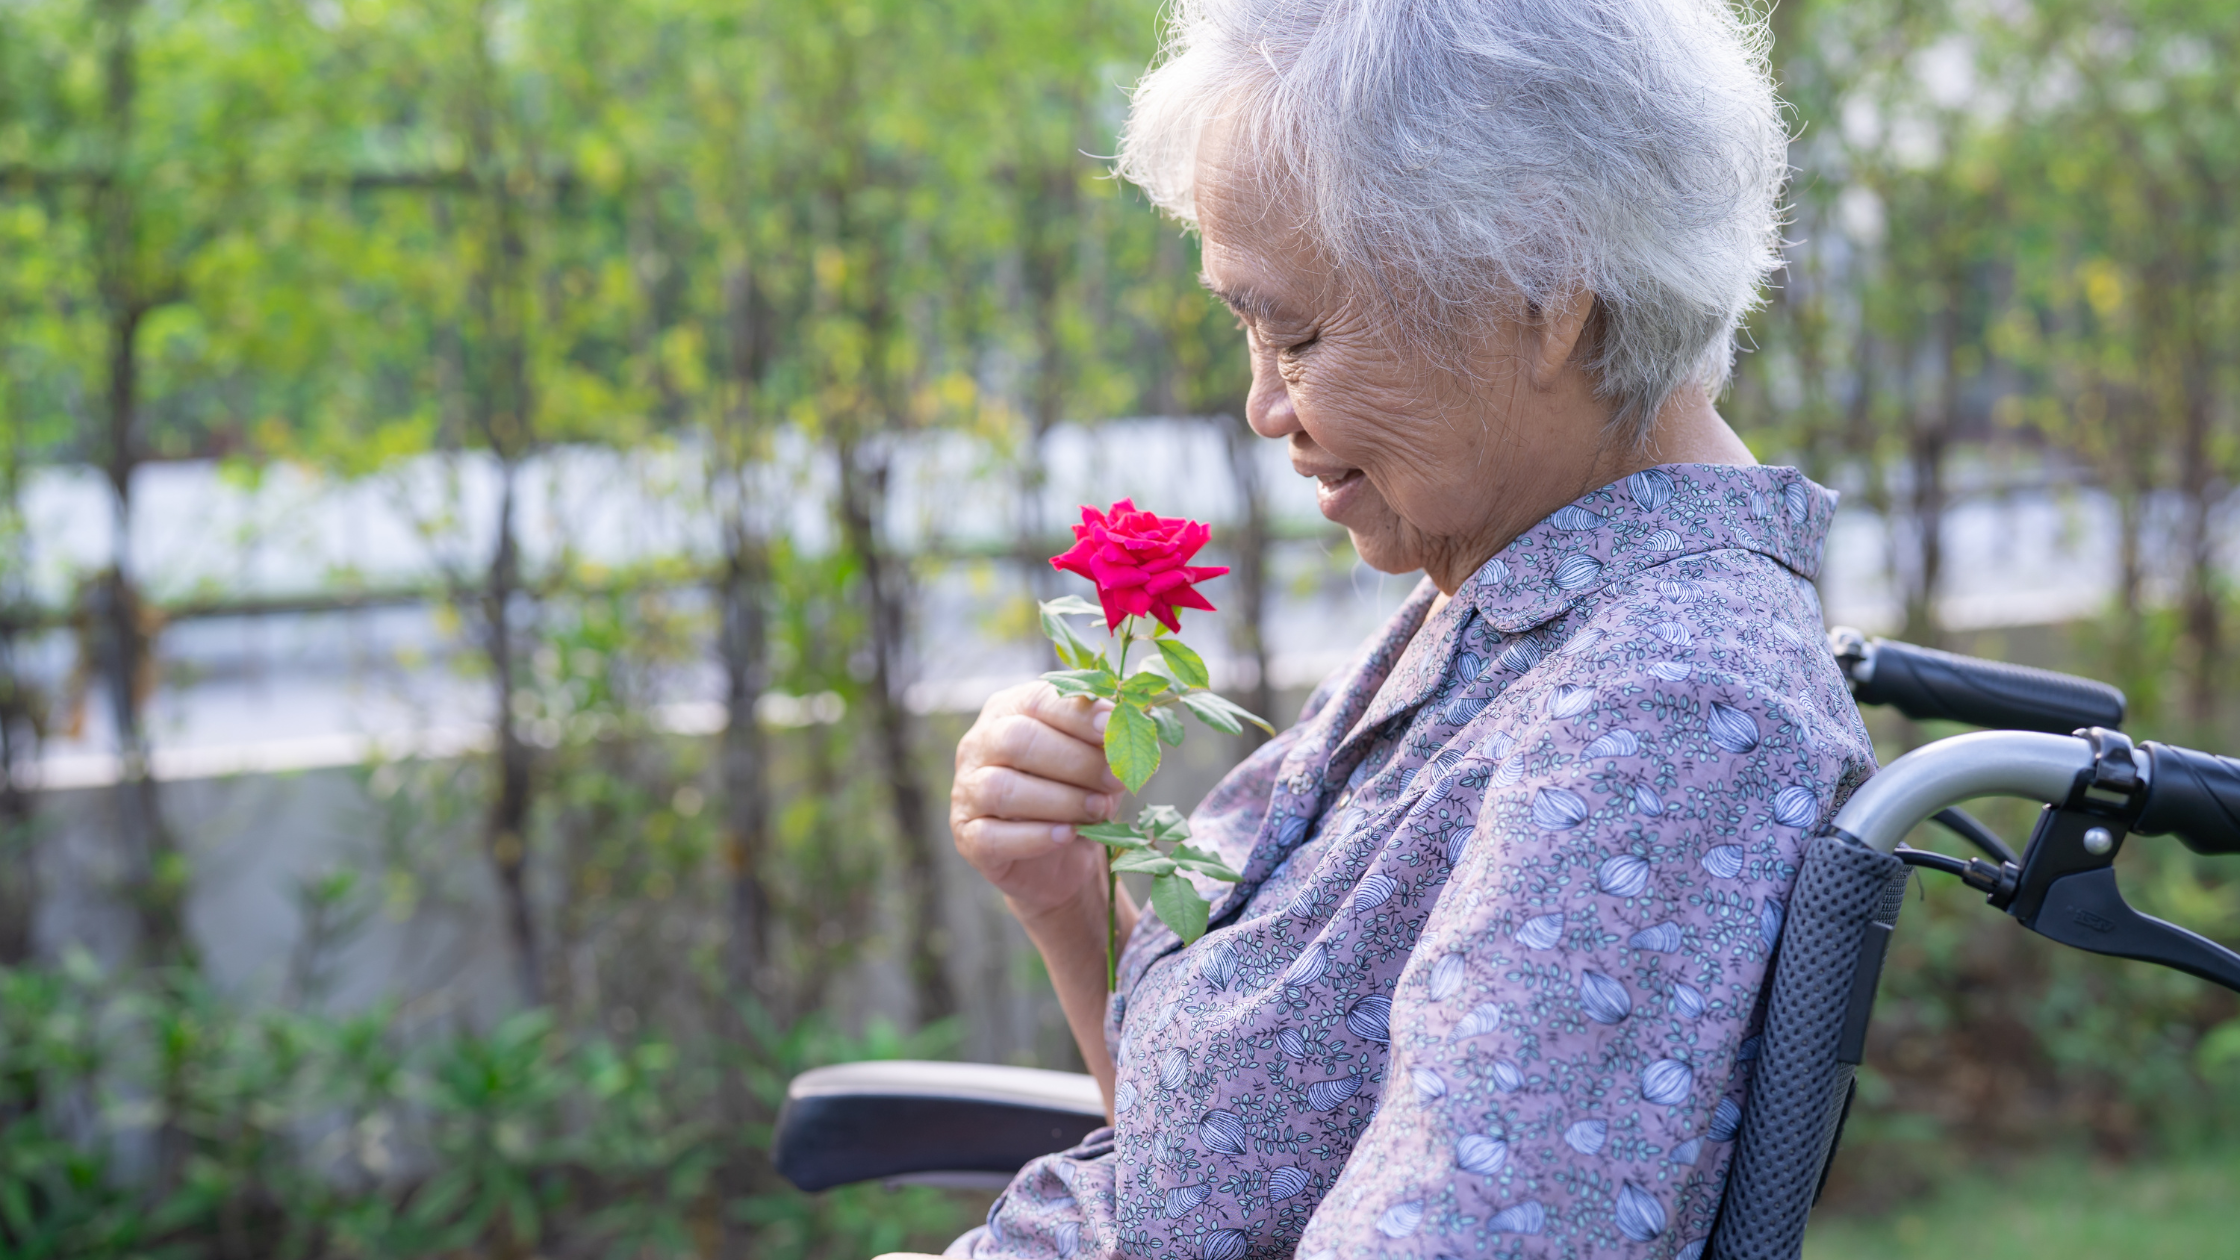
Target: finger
{"x":1078,"y":716}
{"x":1024,"y":742}
{"x":988,"y":841}
{"x":1002,"y":792}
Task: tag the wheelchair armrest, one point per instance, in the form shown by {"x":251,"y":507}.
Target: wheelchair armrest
{"x":950,"y":1123}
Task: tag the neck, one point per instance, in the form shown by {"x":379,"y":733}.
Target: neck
{"x":1689,"y":430}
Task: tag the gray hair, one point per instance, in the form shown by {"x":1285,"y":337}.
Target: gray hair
{"x":1469,"y":154}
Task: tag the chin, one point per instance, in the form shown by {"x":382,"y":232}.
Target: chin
{"x":1383,"y":554}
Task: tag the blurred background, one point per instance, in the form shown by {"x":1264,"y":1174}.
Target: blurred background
{"x":505,"y":506}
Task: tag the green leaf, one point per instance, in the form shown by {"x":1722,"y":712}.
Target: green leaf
{"x":1187,"y":666}
{"x":1180,"y":907}
{"x":1163,"y":823}
{"x":1169,"y":724}
{"x":1201,"y":705}
{"x":1145,"y":685}
{"x":1117,"y":835}
{"x":1223,"y":714}
{"x":1146,"y":861}
{"x":1072,"y":648}
{"x":1083,"y":682}
{"x":1070,"y":606}
{"x":1131,"y":745}
{"x":1204,"y":863}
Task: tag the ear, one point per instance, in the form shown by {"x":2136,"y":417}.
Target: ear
{"x":1560,"y":325}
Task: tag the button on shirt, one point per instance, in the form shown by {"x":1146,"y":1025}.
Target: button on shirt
{"x":1490,"y":984}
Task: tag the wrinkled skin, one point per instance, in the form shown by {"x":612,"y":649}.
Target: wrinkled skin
{"x":1433,"y":456}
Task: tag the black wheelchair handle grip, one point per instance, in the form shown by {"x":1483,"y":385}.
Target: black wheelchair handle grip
{"x":1924,"y":683}
{"x":2194,"y":796}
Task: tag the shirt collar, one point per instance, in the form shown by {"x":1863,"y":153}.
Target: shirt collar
{"x":1655,"y":515}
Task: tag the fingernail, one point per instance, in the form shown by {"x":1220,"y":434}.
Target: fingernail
{"x":1099,"y":806}
{"x":1061,"y":834}
{"x":1101,"y":720}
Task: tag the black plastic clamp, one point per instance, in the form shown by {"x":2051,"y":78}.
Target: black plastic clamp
{"x":2065,"y":889}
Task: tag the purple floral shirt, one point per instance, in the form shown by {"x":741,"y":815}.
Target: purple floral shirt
{"x":1490,"y":984}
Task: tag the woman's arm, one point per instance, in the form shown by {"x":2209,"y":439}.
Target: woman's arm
{"x":1029,"y":771}
{"x":1072,"y":941}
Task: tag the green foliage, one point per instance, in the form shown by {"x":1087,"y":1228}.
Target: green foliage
{"x":288,"y":1134}
{"x":1131,"y":745}
{"x":2049,"y":1209}
{"x":361,"y":234}
{"x":1146,"y":713}
{"x":1153,"y":845}
{"x":1145,"y":702}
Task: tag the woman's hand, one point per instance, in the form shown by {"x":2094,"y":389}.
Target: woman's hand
{"x":1029,"y":771}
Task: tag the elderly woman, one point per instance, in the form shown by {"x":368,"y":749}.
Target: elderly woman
{"x":1490,"y":981}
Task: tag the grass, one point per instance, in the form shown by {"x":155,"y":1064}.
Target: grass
{"x":2056,"y":1210}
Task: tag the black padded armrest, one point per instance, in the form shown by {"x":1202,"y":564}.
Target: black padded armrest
{"x":958,"y":1123}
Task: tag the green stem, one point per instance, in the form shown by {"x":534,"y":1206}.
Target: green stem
{"x":1112,"y":877}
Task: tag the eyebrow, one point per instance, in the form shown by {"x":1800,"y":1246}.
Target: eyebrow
{"x":1250,"y":303}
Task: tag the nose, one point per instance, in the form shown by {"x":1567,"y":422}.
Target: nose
{"x":1267,"y":408}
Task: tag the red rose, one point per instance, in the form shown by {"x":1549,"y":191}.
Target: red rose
{"x":1140,"y":562}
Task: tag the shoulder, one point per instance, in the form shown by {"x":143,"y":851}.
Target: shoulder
{"x":1727,"y":627}
{"x":1692,"y":680}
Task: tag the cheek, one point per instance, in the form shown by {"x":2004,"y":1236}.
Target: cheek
{"x":1365,"y":409}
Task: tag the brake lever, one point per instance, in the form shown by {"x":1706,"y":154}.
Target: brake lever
{"x":2087,"y":911}
{"x":2066,"y":889}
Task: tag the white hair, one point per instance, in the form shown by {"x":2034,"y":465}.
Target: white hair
{"x":1464,"y":155}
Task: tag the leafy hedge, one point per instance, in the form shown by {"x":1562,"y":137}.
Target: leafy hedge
{"x":142,"y":1115}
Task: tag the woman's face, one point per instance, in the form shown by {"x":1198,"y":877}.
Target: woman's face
{"x":1427,"y":463}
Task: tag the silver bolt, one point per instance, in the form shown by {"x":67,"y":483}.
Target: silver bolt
{"x":2099,"y":840}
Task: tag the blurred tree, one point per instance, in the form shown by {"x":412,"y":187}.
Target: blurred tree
{"x":128,"y":187}
{"x":2153,"y":104}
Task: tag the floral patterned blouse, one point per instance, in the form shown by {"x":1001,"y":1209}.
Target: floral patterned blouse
{"x":1490,"y":983}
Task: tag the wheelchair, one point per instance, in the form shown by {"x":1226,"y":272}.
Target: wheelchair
{"x":2048,"y":737}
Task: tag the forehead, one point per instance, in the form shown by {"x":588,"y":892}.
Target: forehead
{"x":1256,"y":254}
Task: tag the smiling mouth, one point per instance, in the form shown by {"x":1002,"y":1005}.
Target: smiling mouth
{"x":1335,"y":493}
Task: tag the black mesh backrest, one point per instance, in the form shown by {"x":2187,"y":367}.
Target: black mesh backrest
{"x":1797,"y":1094}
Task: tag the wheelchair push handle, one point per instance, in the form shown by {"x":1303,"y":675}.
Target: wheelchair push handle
{"x":1926,"y":684}
{"x":2194,"y":796}
{"x":2097,"y":788}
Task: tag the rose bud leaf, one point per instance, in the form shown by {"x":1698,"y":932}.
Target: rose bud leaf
{"x":1072,"y":649}
{"x":1114,"y":835}
{"x":1082,"y":682}
{"x":1131,"y":745}
{"x":1222,"y":713}
{"x":1187,"y":666}
{"x":1163,"y":823}
{"x":1145,"y":685}
{"x":1170,"y":726}
{"x":1204,"y":863}
{"x":1201,"y":705}
{"x":1180,"y":907}
{"x":1147,"y":861}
